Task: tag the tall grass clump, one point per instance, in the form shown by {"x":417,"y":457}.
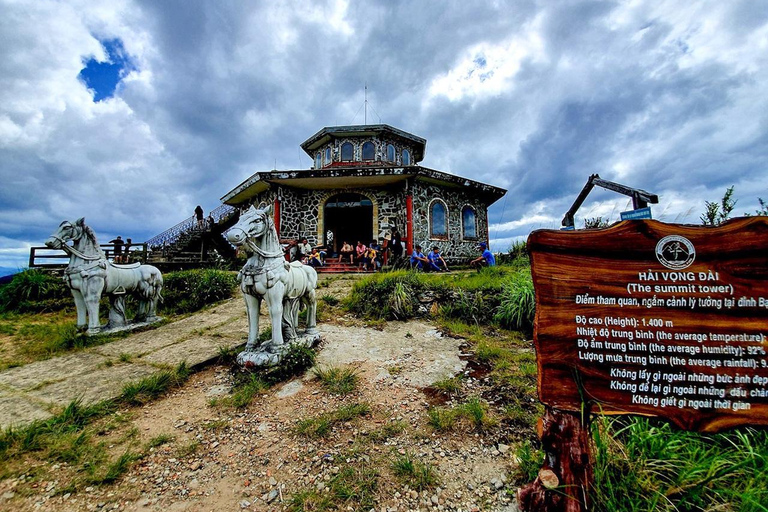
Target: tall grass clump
{"x":190,"y":290}
{"x":387,"y":296}
{"x":34,"y":291}
{"x":518,"y":302}
{"x":647,"y":465}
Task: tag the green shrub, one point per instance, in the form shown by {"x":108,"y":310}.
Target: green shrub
{"x":34,"y":291}
{"x":518,"y":302}
{"x":388,"y":295}
{"x":190,"y":290}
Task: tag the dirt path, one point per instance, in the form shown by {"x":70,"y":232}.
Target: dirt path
{"x":256,"y":459}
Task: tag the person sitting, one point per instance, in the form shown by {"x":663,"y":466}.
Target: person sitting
{"x":360,"y":249}
{"x":377,"y":254}
{"x":322,"y":251}
{"x":436,"y":261}
{"x":314,"y":258}
{"x":304,"y":250}
{"x":369,"y":261}
{"x":486,"y":260}
{"x":418,"y":260}
{"x":347,"y":252}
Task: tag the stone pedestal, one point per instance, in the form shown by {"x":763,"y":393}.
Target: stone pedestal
{"x":269,"y":354}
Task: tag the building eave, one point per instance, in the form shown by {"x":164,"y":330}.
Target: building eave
{"x":353,"y":177}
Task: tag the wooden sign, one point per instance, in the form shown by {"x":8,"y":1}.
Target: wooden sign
{"x":655,"y":319}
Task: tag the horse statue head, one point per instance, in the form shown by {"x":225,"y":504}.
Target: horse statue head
{"x":77,"y":232}
{"x":256,"y":231}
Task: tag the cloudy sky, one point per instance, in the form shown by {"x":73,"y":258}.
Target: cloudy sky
{"x":130,"y":113}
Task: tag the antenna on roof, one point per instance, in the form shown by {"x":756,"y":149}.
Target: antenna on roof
{"x":365,"y":107}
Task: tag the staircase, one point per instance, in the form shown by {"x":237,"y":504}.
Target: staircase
{"x":186,"y":245}
{"x":336,"y":266}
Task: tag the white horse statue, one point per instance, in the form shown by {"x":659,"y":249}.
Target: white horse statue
{"x":89,"y":275}
{"x":285,"y":287}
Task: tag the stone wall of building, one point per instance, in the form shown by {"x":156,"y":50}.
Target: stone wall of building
{"x":302,"y":212}
{"x":380,"y":149}
{"x":455,"y":248}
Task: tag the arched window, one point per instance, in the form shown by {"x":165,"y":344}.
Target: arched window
{"x":468,"y":222}
{"x":368,"y":151}
{"x":406,"y":157}
{"x":438,"y":220}
{"x":327,"y":156}
{"x":318,"y":160}
{"x":347,"y":152}
{"x":390,"y":152}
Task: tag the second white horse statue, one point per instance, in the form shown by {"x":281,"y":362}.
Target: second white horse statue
{"x":90,"y":274}
{"x":284,"y":286}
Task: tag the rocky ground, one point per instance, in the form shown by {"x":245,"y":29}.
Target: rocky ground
{"x":217,"y":458}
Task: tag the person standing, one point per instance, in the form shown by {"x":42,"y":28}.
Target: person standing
{"x":396,"y":245}
{"x":199,"y":217}
{"x":117,"y":249}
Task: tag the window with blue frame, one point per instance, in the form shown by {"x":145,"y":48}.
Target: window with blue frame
{"x":406,"y":157}
{"x":390,"y":152}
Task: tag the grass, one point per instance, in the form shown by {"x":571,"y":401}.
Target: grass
{"x":330,"y":299}
{"x":414,"y":473}
{"x":449,"y":385}
{"x":188,"y":449}
{"x":474,"y":413}
{"x":338,"y":380}
{"x":647,"y":465}
{"x":160,"y":440}
{"x":320,"y":426}
{"x":243,"y":392}
{"x":352,"y":488}
{"x":149,"y":388}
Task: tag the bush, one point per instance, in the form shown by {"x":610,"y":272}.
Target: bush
{"x":390,"y":295}
{"x":189,"y":290}
{"x":518,"y":302}
{"x":35,"y":291}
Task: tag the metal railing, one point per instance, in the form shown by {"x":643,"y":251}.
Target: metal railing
{"x":189,"y":225}
{"x":137,"y":252}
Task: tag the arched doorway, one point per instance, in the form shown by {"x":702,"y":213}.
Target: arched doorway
{"x":349,"y":217}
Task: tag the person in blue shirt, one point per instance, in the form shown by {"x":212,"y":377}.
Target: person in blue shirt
{"x":436,"y":261}
{"x":418,"y":259}
{"x":486,"y":260}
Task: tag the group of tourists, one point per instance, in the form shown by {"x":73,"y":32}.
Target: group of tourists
{"x":371,"y":258}
{"x":120,"y":250}
{"x":203,"y":223}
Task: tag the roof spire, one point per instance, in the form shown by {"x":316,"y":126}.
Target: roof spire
{"x":366,"y":103}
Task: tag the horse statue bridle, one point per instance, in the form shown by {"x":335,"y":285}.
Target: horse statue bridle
{"x":71,"y":250}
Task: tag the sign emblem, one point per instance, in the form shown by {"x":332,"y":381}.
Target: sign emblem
{"x":675,"y":252}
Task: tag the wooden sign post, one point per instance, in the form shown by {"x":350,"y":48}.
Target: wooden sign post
{"x":645,"y":318}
